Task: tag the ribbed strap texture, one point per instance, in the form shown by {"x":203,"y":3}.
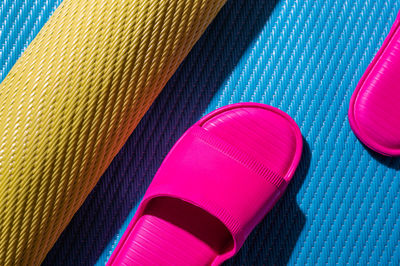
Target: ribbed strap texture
{"x":72,"y":100}
{"x":238,"y":155}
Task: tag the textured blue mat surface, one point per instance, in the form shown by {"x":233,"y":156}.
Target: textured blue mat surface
{"x":304,"y":57}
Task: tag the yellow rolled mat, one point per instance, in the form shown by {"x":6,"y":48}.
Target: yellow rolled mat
{"x":71,"y":101}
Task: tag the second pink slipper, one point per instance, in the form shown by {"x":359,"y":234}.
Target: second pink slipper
{"x":216,"y":184}
{"x":374,"y":113}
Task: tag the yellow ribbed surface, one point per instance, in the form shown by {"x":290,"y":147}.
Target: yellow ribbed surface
{"x":72,"y":100}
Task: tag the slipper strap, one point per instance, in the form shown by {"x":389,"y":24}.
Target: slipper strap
{"x":210,"y":173}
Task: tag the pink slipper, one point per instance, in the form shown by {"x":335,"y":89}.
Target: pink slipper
{"x":216,"y":184}
{"x":374,"y":112}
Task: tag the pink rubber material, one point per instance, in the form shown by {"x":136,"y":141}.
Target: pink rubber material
{"x":374,"y":113}
{"x":215,"y":185}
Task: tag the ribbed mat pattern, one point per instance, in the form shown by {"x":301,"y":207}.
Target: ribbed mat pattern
{"x":71,"y":101}
{"x":20,"y":22}
{"x":306,"y":58}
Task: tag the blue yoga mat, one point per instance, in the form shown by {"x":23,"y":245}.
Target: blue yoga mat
{"x":304,"y":57}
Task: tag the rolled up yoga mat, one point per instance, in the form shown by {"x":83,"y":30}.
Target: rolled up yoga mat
{"x":71,"y":101}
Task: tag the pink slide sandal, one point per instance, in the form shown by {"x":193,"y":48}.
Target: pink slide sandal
{"x":215,"y":185}
{"x":374,"y":113}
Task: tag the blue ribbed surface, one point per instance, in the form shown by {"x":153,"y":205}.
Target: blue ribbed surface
{"x":20,"y":22}
{"x":304,"y":57}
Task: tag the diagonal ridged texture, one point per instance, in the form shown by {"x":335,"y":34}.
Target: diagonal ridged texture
{"x":72,"y":100}
{"x":343,"y":204}
{"x":306,"y":58}
{"x":20,"y":22}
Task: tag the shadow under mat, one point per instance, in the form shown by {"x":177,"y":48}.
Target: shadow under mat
{"x":180,"y":104}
